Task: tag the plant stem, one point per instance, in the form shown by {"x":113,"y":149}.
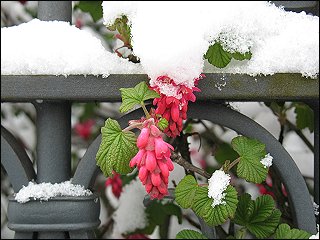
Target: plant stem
{"x":176,"y":157}
{"x":132,"y":126}
{"x":145,"y":110}
{"x":232,"y":164}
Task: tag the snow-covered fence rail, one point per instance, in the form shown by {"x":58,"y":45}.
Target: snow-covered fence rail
{"x":53,"y":96}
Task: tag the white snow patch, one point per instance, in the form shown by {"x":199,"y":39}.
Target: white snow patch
{"x":218,"y":183}
{"x":130,"y":214}
{"x":57,"y":48}
{"x":45,"y":191}
{"x":267,"y":161}
{"x":316,"y":208}
{"x":316,"y":236}
{"x":170,"y":40}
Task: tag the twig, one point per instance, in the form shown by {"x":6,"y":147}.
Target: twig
{"x":176,"y":157}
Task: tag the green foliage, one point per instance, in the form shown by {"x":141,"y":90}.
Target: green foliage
{"x":260,"y":216}
{"x":190,"y":234}
{"x":284,"y":232}
{"x":189,"y":195}
{"x":185,"y":191}
{"x":225,"y":152}
{"x":202,"y":206}
{"x":92,"y":7}
{"x":163,"y":124}
{"x":136,"y":96}
{"x":242,"y":56}
{"x":220,"y":58}
{"x":158,"y":213}
{"x":251,"y":151}
{"x":217,"y":56}
{"x":121,"y":25}
{"x":116,"y":150}
{"x":304,"y":117}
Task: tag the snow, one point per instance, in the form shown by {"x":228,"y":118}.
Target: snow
{"x":316,"y":236}
{"x":130,"y":214}
{"x":218,"y":183}
{"x":267,"y":161}
{"x":57,"y":48}
{"x":316,"y":208}
{"x":45,"y":191}
{"x":171,"y":38}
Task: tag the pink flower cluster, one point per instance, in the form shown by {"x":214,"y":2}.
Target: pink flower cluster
{"x":173,"y":109}
{"x":153,"y":160}
{"x":116,"y":184}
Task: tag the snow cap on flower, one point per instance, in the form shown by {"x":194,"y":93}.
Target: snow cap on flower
{"x":173,"y":102}
{"x":267,"y":160}
{"x":218,"y":183}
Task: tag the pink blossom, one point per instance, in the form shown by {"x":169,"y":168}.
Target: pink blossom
{"x":116,"y":184}
{"x":173,"y":109}
{"x":153,"y":160}
{"x":84,"y":129}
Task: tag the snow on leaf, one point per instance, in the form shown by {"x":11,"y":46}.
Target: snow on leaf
{"x":285,"y":232}
{"x":117,"y":148}
{"x":251,"y":152}
{"x":135,"y":96}
{"x":202,"y":206}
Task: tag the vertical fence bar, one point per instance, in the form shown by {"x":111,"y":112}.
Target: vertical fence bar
{"x":315,"y":107}
{"x":53,"y":141}
{"x":53,"y":122}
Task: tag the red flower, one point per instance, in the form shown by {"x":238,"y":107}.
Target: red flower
{"x":172,"y":108}
{"x":116,"y":184}
{"x":153,"y":160}
{"x":137,"y":236}
{"x":84,"y":129}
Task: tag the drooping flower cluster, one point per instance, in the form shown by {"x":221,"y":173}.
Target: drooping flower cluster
{"x":116,"y":184}
{"x":174,"y":108}
{"x":153,"y":160}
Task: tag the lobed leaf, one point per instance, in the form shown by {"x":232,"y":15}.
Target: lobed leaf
{"x":116,"y":150}
{"x":185,"y":191}
{"x":190,"y":234}
{"x":260,"y":216}
{"x":251,"y":151}
{"x":285,"y":232}
{"x":136,"y":96}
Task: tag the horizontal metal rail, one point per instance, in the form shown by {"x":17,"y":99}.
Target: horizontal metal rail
{"x":231,"y":87}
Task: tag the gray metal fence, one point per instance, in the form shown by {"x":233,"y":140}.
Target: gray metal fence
{"x":52,"y":96}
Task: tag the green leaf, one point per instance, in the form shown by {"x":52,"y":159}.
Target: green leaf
{"x":242,"y":56}
{"x":251,"y":151}
{"x":217,"y":56}
{"x":92,"y":7}
{"x":304,"y":117}
{"x":163,"y":124}
{"x":285,"y":232}
{"x":185,"y":191}
{"x":225,"y":152}
{"x":136,"y":96}
{"x":116,"y":150}
{"x":190,"y":234}
{"x":260,"y":217}
{"x":202,"y":206}
{"x":220,"y":58}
